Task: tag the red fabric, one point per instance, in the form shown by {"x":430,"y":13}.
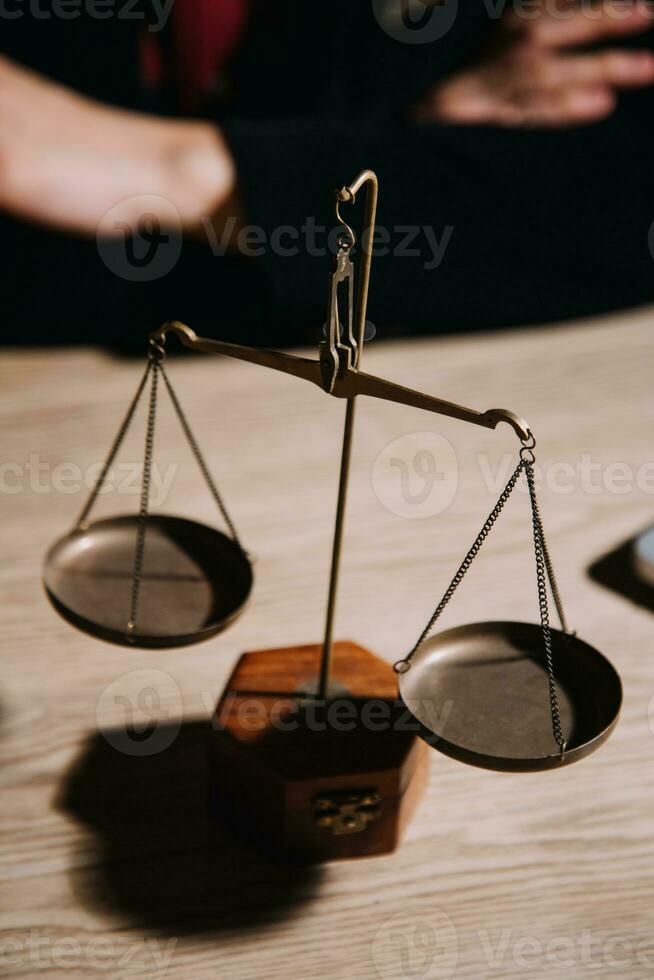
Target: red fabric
{"x":205,"y":33}
{"x":151,"y":59}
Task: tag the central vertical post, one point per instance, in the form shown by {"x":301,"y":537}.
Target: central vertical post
{"x":348,"y":194}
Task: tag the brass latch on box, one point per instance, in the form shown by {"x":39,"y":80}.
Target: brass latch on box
{"x":347,"y":811}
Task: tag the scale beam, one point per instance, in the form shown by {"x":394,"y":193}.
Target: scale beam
{"x":298,"y":367}
{"x":348,"y":382}
{"x":356,"y":383}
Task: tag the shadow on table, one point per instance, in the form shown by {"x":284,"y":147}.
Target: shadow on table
{"x":162,"y":861}
{"x":615,"y":571}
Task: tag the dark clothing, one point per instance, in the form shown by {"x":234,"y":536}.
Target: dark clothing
{"x":534,"y":226}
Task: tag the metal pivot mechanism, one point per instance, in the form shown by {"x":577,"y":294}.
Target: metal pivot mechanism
{"x":500,"y":668}
{"x":345,"y":357}
{"x":341,"y":346}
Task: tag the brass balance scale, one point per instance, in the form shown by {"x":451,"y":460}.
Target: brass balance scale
{"x":519,"y":696}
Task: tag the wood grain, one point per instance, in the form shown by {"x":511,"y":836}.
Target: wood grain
{"x":109,"y":865}
{"x":270,"y":759}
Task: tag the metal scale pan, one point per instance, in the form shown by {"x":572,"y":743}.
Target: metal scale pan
{"x":511,"y":696}
{"x":149,"y":580}
{"x":194,"y":581}
{"x":479,"y":695}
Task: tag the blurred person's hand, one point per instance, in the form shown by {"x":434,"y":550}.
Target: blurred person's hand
{"x":65,"y":160}
{"x":538,"y":71}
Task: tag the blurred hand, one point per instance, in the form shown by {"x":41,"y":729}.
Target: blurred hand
{"x":66,"y":160}
{"x":532,"y":73}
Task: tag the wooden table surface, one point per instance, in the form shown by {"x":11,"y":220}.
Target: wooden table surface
{"x":108,"y":863}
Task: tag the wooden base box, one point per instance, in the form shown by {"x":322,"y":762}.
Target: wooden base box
{"x":308,"y":781}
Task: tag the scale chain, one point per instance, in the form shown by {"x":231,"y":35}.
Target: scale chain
{"x":467,"y":561}
{"x":556,"y":595}
{"x":543,"y":568}
{"x":155,"y":367}
{"x":199,"y":457}
{"x":117,"y":443}
{"x":544,"y":572}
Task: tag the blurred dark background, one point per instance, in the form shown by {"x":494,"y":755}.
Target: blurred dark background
{"x":546,"y":223}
